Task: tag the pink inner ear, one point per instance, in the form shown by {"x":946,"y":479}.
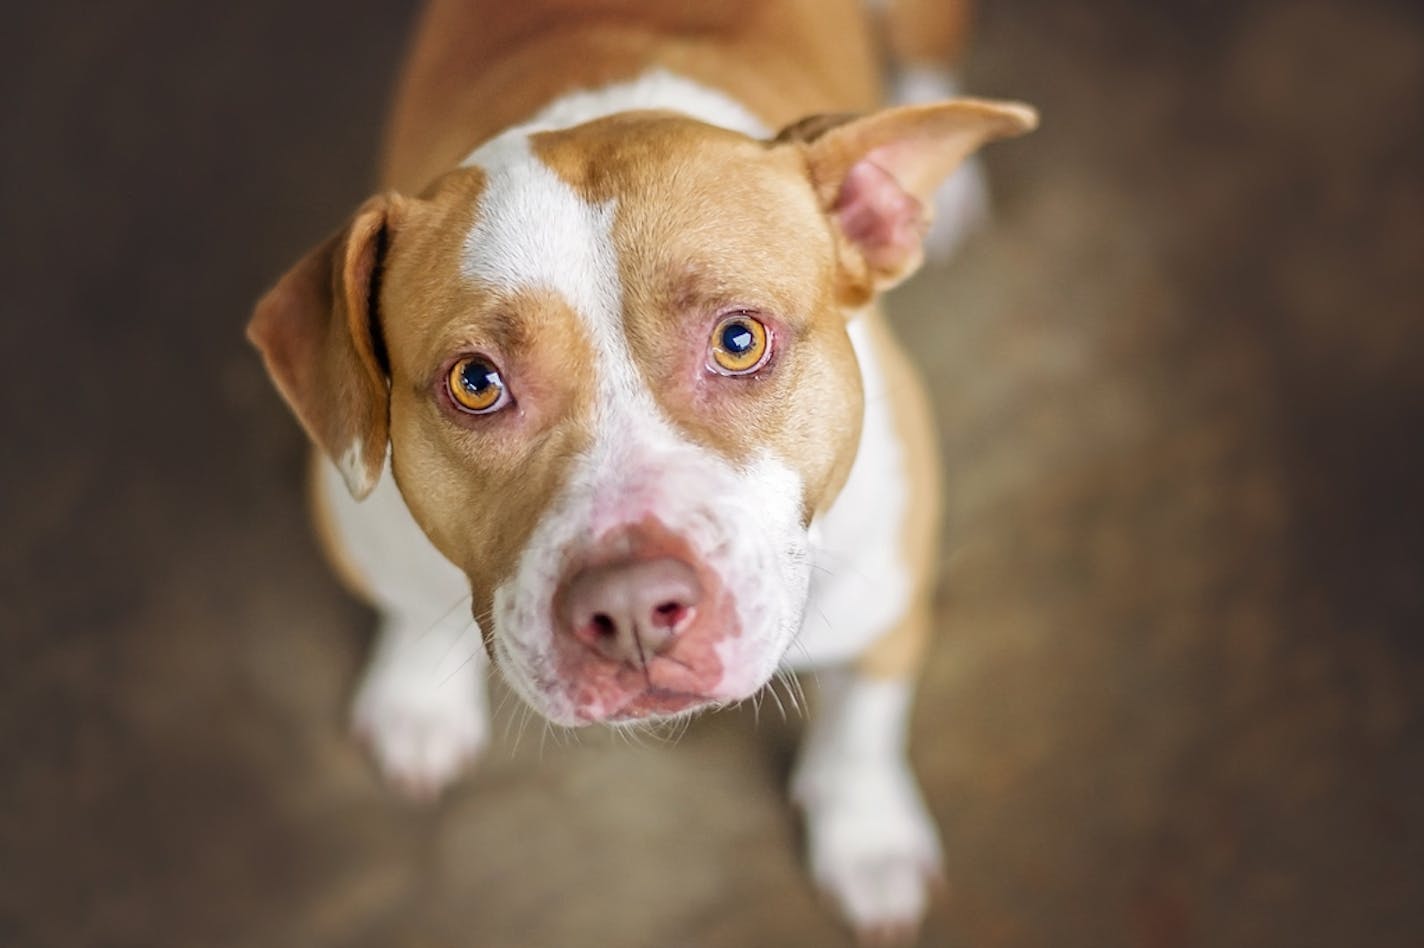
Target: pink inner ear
{"x":879,"y":217}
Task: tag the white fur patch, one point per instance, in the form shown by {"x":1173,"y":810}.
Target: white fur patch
{"x":861,"y":586}
{"x":352,"y":465}
{"x":871,"y":843}
{"x":421,"y":706}
{"x":655,"y":89}
{"x":532,"y":230}
{"x":392,"y":556}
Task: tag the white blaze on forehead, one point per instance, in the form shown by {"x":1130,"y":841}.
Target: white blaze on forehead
{"x":532,"y":231}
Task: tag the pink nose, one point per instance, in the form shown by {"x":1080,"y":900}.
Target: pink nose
{"x":631,"y":610}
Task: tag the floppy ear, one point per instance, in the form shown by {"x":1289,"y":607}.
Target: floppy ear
{"x":876,"y":174}
{"x":319,"y":334}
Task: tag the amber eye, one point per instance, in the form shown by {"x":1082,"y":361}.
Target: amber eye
{"x":475,"y":386}
{"x":739,"y":345}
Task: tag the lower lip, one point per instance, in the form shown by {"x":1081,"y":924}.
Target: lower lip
{"x":653,"y":703}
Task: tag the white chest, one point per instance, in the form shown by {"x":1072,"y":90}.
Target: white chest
{"x":860,"y":585}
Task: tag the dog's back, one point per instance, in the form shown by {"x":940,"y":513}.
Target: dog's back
{"x":477,"y":68}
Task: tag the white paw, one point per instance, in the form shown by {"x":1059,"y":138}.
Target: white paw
{"x":872,"y":849}
{"x":424,"y":722}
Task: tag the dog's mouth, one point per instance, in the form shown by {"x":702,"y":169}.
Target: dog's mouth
{"x":666,"y":687}
{"x":655,"y":703}
{"x":673,"y":685}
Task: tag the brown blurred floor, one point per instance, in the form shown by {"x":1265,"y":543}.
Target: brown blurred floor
{"x":1177,"y":700}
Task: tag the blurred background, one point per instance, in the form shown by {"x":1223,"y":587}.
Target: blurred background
{"x":1176,"y":699}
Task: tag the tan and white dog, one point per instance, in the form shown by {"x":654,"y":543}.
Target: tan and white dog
{"x":604,"y":369}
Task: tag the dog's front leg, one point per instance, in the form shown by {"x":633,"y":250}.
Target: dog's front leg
{"x":422,"y":705}
{"x":871,"y":843}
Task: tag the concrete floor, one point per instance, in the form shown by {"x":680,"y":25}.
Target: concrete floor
{"x":1177,"y":697}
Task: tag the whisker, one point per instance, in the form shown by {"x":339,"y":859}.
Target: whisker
{"x":439,"y":621}
{"x":788,"y":681}
{"x":636,"y":731}
{"x":841,"y":560}
{"x":479,"y":647}
{"x":454,"y":641}
{"x":475,"y":624}
{"x":805,"y":703}
{"x":785,"y":686}
{"x":525,"y":714}
{"x":771,"y":689}
{"x":499,"y":709}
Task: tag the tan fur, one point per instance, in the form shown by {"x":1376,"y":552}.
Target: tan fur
{"x":919,"y":145}
{"x":478,"y":68}
{"x":927,"y":32}
{"x":314,"y":331}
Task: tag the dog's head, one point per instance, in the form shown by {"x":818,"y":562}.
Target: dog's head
{"x":611,"y":368}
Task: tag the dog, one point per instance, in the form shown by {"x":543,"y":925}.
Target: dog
{"x":604,"y":368}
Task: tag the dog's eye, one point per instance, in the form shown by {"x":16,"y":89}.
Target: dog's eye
{"x":740,"y":345}
{"x":475,"y":386}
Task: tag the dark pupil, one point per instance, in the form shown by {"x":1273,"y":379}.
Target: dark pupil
{"x":737,"y":338}
{"x":477,"y":377}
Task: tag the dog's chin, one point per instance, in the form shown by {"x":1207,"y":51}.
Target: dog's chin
{"x":649,"y":705}
{"x":655,"y":706}
{"x":630,"y":702}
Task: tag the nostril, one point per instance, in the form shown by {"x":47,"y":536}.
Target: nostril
{"x":603,"y":626}
{"x":670,"y":614}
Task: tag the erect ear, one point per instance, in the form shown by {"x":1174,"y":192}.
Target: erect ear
{"x":876,"y":174}
{"x":318,"y":331}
